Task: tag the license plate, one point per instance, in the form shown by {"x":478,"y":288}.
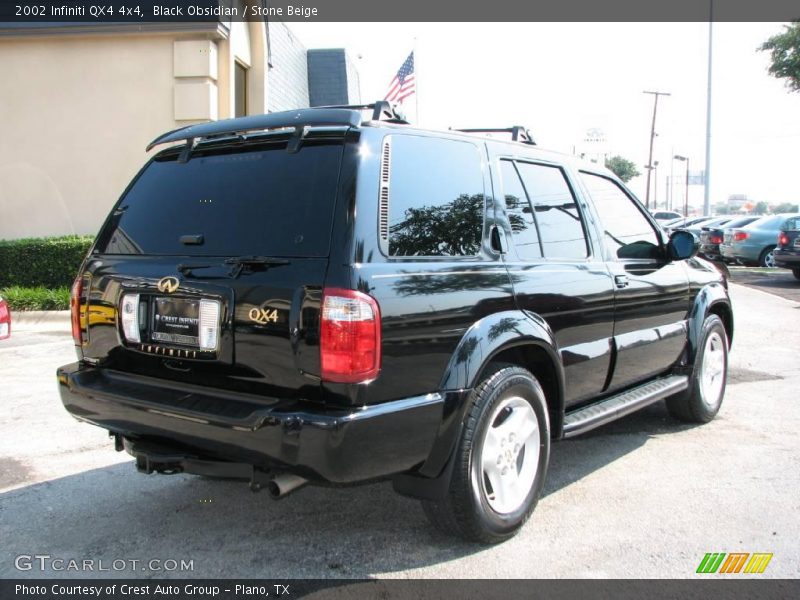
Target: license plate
{"x":176,"y":321}
{"x":797,"y":242}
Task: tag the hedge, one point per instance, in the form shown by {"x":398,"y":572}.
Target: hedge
{"x":37,"y":298}
{"x":46,"y":262}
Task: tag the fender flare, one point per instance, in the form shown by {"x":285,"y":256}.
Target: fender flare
{"x":483,"y":341}
{"x":712,"y":298}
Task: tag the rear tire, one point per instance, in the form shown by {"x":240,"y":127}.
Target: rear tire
{"x":767,"y":258}
{"x":701,"y":402}
{"x":500,"y":461}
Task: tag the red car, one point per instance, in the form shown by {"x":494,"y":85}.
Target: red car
{"x":5,"y":319}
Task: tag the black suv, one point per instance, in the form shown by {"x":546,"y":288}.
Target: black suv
{"x":333,"y":296}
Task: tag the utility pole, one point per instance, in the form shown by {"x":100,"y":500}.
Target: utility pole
{"x":649,"y":165}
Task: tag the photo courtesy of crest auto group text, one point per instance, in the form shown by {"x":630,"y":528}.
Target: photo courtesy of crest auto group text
{"x":337,"y":295}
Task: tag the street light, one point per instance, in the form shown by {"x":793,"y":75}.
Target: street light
{"x":686,"y":199}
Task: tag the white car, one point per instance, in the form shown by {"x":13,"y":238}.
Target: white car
{"x":662,"y":216}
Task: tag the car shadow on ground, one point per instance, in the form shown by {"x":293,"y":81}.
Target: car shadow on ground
{"x":114,"y":513}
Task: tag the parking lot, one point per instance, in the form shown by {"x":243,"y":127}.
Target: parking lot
{"x":643,"y":497}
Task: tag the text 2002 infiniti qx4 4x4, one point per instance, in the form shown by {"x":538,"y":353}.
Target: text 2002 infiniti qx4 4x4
{"x":333,"y":296}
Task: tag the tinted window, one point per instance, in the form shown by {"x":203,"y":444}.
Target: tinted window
{"x":556,"y":212}
{"x":263,"y":201}
{"x":435,"y":197}
{"x":627,"y":231}
{"x":792,"y":224}
{"x":520,"y":213}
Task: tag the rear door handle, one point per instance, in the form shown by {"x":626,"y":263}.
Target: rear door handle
{"x":621,"y":281}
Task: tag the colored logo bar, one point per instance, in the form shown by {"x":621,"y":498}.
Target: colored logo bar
{"x":735,"y":562}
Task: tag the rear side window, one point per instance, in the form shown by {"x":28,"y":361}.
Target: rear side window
{"x":259,"y":201}
{"x":432,"y":197}
{"x":520,"y":213}
{"x":558,"y":219}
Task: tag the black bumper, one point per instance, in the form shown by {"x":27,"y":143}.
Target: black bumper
{"x":339,"y":446}
{"x":788,"y":259}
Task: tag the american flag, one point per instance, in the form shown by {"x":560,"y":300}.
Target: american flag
{"x":403,"y":84}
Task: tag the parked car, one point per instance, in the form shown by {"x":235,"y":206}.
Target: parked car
{"x":685,"y":223}
{"x":5,"y":319}
{"x":319,"y":296}
{"x":787,"y":253}
{"x":696,"y":228}
{"x":663,"y":216}
{"x":755,"y":243}
{"x":712,"y":236}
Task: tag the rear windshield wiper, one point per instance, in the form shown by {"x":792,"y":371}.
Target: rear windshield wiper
{"x":237,"y":263}
{"x":240,"y":262}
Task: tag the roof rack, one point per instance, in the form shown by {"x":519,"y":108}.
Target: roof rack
{"x":518,"y":133}
{"x":382,"y":110}
{"x":344,"y":116}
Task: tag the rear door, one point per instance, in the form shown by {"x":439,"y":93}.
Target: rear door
{"x":210,"y":270}
{"x":557,"y":273}
{"x":651,"y":292}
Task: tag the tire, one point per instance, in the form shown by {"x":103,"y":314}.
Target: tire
{"x":701,"y":402}
{"x":796,"y":273}
{"x":506,"y":441}
{"x":767,"y":258}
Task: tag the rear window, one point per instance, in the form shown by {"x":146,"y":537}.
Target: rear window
{"x":261,"y":201}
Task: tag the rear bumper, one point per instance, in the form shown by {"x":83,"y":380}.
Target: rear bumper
{"x":789,"y":259}
{"x":339,"y":446}
{"x":710,"y":251}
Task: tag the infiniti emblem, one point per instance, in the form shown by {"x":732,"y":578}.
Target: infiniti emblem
{"x":168,"y":284}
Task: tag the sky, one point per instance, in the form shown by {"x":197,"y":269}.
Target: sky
{"x":562,"y":79}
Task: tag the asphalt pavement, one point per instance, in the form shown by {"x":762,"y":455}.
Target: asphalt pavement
{"x":644,"y":497}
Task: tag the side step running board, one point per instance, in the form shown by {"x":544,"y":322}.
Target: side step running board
{"x":587,"y":418}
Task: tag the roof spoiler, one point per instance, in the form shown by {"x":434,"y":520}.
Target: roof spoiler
{"x":348,"y":115}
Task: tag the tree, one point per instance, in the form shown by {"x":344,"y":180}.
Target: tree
{"x":785,"y":55}
{"x":760,"y":208}
{"x":787,"y":207}
{"x":622,"y":168}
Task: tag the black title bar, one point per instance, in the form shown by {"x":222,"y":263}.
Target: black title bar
{"x":48,"y":12}
{"x":343,"y":589}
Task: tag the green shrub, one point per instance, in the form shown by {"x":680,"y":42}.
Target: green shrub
{"x":36,"y":298}
{"x":47,"y":262}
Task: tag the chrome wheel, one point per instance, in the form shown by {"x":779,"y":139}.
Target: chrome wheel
{"x":769,"y":259}
{"x":712,"y":371}
{"x":509,"y":455}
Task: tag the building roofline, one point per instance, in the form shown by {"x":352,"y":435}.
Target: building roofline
{"x":215,"y":29}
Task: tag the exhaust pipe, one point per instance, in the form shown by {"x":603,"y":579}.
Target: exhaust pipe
{"x":281,"y":485}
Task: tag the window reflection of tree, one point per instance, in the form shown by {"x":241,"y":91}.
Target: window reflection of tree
{"x":453,"y":229}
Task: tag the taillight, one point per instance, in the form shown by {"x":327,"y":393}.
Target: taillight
{"x":75,"y":309}
{"x":740,"y":236}
{"x":350,"y":336}
{"x":783,"y":239}
{"x":5,"y":320}
{"x":715,"y":239}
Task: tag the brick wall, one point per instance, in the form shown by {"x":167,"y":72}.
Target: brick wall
{"x":332,"y":78}
{"x":288,"y":76}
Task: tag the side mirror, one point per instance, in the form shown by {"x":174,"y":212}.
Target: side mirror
{"x":682,"y":245}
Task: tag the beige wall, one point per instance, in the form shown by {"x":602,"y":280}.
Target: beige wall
{"x":75,"y":117}
{"x":77,"y":112}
